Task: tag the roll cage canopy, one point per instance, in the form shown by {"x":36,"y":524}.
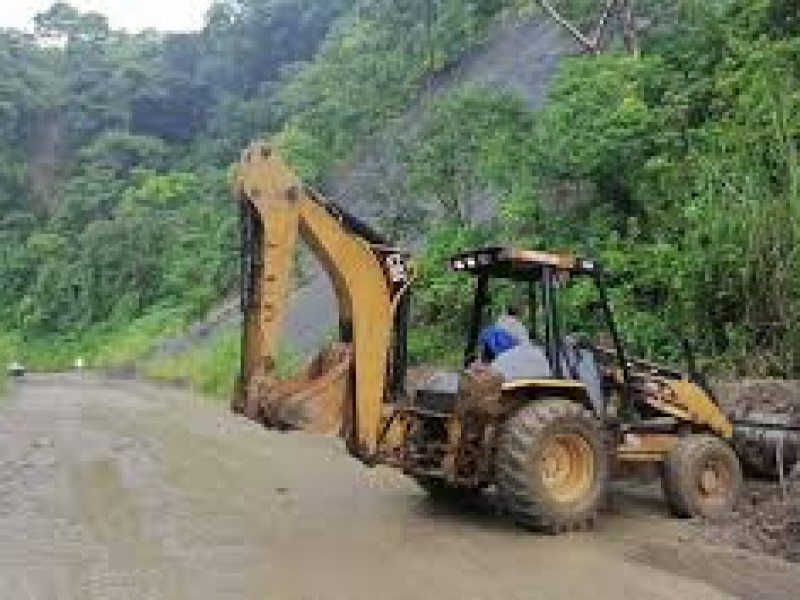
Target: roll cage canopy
{"x":543,"y":272}
{"x":524,"y":265}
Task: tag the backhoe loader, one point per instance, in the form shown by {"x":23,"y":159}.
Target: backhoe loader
{"x":545,"y":435}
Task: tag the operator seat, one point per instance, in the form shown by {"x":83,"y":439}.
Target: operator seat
{"x":527,"y":360}
{"x":581,"y":365}
{"x":524,"y":361}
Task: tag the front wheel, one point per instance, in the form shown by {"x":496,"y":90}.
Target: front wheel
{"x":552,"y":466}
{"x":702,"y":477}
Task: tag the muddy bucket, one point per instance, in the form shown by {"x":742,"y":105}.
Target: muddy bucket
{"x":315,"y":400}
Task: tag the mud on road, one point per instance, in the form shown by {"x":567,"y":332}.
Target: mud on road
{"x":122,"y":490}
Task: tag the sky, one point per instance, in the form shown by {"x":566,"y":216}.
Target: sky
{"x":133,"y":15}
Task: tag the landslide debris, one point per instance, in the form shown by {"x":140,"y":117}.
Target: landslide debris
{"x":744,"y":396}
{"x":767,"y":518}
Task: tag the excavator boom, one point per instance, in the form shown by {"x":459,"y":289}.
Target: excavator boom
{"x":336,"y":392}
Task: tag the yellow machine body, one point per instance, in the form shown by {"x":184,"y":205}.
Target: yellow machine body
{"x":346,"y":390}
{"x":343,"y":390}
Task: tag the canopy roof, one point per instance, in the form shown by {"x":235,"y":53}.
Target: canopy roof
{"x":515,"y":263}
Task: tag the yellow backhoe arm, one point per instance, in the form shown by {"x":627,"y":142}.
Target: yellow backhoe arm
{"x":345,"y":388}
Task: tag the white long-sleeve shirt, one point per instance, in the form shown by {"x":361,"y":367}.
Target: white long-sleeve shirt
{"x":515,"y":327}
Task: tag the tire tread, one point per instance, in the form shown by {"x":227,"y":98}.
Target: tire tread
{"x":678,"y":472}
{"x":516,"y":439}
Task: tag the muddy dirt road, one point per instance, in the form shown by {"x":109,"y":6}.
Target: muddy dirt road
{"x":121,"y":490}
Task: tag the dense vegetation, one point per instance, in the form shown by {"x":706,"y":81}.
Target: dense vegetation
{"x":115,"y":220}
{"x":679,"y":168}
{"x":115,"y":217}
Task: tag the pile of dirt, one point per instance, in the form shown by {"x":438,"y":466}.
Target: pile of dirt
{"x":766,"y":417}
{"x":767,"y":520}
{"x":746,"y":396}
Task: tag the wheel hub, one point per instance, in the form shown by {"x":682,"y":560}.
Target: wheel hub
{"x":714,"y":479}
{"x":567,"y":466}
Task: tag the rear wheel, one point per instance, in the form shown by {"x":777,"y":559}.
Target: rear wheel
{"x":552,"y":466}
{"x":702,"y":477}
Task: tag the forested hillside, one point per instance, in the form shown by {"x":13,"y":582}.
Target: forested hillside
{"x":113,"y":165}
{"x":677,"y":166}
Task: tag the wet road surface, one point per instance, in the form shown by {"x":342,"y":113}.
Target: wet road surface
{"x":122,"y":490}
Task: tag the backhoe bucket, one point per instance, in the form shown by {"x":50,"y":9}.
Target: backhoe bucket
{"x":316,"y":400}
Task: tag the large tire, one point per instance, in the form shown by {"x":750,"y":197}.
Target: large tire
{"x":552,"y":466}
{"x":702,"y":477}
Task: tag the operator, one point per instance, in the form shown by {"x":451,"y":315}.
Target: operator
{"x":505,"y":333}
{"x":511,"y":321}
{"x":509,"y":351}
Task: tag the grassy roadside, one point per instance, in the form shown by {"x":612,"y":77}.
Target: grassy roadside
{"x":211,"y":368}
{"x":98,"y":347}
{"x":208,"y":367}
{"x":6,"y":356}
